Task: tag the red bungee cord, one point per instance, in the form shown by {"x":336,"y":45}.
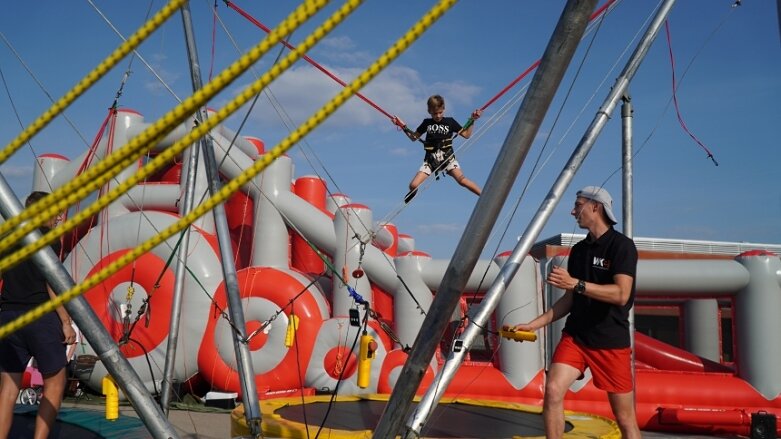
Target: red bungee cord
{"x":308,"y":59}
{"x":675,"y":98}
{"x":396,"y":121}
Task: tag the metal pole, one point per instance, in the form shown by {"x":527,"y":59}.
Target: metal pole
{"x":89,"y":324}
{"x":508,"y":270}
{"x":627,"y":151}
{"x":180,"y":272}
{"x":243,"y":359}
{"x":627,"y":194}
{"x":558,"y":54}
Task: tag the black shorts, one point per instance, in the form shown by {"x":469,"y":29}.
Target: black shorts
{"x":42,"y":339}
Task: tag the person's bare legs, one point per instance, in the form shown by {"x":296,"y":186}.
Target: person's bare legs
{"x":9,"y":391}
{"x":417,"y":180}
{"x":461,"y":179}
{"x":623,"y":405}
{"x":559,"y":378}
{"x":53,"y":390}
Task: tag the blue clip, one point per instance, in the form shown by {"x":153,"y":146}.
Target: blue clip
{"x":357,"y":297}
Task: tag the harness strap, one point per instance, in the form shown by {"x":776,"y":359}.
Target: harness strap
{"x":433,"y":145}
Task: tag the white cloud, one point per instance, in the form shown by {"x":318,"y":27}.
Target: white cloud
{"x":457,"y":94}
{"x":303,"y":90}
{"x":153,"y":84}
{"x":337,"y":43}
{"x":341,"y":50}
{"x":402,"y":152}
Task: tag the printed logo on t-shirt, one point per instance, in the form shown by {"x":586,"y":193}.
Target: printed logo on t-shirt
{"x":438,"y":129}
{"x":601,"y":263}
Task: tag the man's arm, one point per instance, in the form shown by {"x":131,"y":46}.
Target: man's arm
{"x":67,"y":329}
{"x":559,"y":309}
{"x":616,"y":293}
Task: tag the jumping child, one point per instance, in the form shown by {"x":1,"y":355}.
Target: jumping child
{"x":440,"y":131}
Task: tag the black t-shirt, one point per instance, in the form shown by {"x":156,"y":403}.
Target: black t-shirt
{"x":24,"y":286}
{"x":438,"y":131}
{"x":591,"y":322}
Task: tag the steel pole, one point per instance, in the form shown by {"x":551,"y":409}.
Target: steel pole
{"x":561,"y":47}
{"x":105,"y":347}
{"x":626,"y":175}
{"x":627,"y":194}
{"x":179,"y":273}
{"x":240,"y":345}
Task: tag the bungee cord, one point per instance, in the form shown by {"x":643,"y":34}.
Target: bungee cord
{"x":95,"y":177}
{"x":306,"y":58}
{"x":111,"y":113}
{"x":140,"y":35}
{"x":296,"y":17}
{"x":521,"y":196}
{"x":527,"y":184}
{"x":683,"y":76}
{"x":360,"y":237}
{"x":149,"y":67}
{"x":675,"y":96}
{"x":256,"y":168}
{"x":42,"y":88}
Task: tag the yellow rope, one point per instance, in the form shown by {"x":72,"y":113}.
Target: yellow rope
{"x":92,"y":77}
{"x":233,"y":185}
{"x":98,"y":175}
{"x":169,"y":153}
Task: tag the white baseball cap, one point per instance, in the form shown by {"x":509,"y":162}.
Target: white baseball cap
{"x":599,"y":195}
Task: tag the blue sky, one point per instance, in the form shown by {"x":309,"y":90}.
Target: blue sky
{"x":728,"y":66}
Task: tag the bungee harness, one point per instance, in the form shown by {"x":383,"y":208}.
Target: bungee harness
{"x":439,"y":153}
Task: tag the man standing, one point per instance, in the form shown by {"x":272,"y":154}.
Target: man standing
{"x":599,"y":285}
{"x":24,"y":288}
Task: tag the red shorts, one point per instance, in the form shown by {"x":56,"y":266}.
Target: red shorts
{"x":610,"y":368}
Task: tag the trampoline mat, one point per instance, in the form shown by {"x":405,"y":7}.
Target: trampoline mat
{"x":75,"y":423}
{"x":448,"y":420}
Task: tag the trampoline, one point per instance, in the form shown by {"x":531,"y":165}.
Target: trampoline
{"x":356,"y":417}
{"x":77,"y":423}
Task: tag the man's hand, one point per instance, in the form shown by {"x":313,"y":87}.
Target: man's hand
{"x":560,"y":278}
{"x":525,"y":327}
{"x":476,"y":114}
{"x":69,"y":333}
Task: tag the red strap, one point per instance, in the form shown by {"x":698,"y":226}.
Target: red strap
{"x":536,"y":64}
{"x":675,"y":98}
{"x":308,"y":59}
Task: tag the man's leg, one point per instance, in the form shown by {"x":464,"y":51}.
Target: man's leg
{"x":560,"y":377}
{"x":9,"y":391}
{"x":623,"y":405}
{"x":53,"y":390}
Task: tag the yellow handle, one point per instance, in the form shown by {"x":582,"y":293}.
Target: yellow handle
{"x":519,"y":335}
{"x":366,"y":355}
{"x":292,"y":327}
{"x":111,"y":391}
